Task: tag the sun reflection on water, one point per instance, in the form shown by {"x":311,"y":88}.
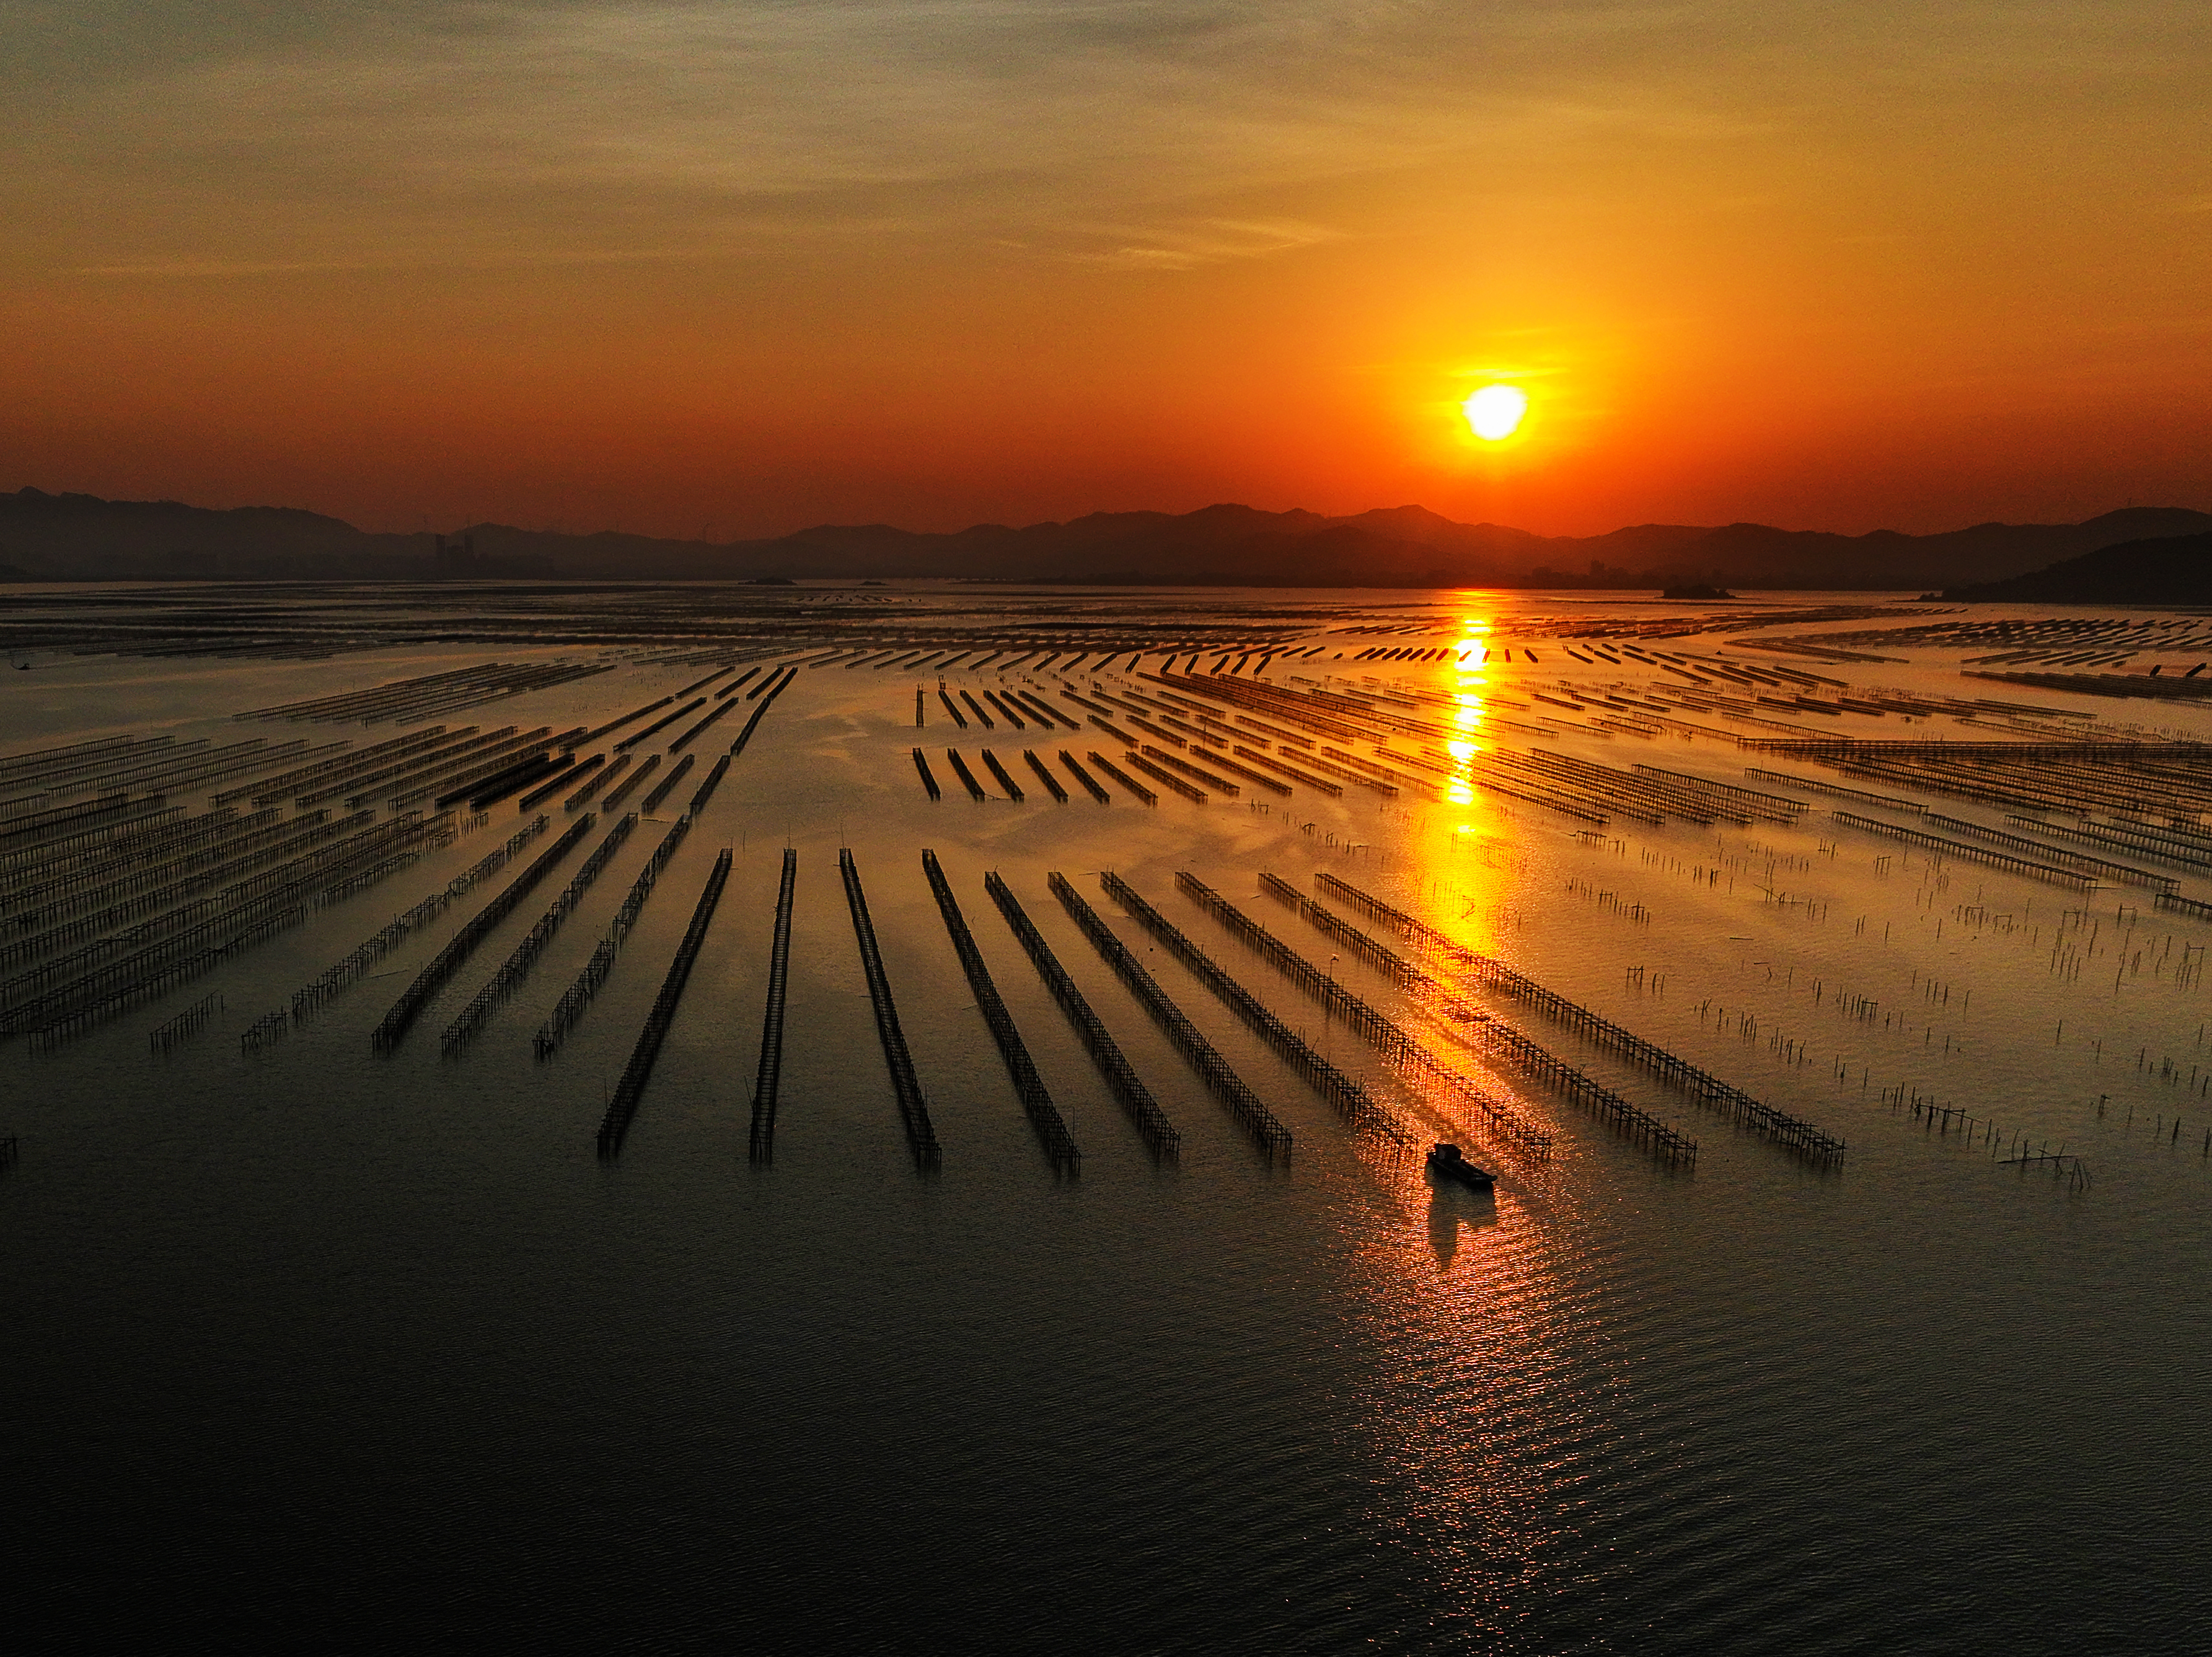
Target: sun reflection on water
{"x":1467,"y":707}
{"x":1467,"y":689}
{"x":1483,"y":1314}
{"x":1480,"y":1300}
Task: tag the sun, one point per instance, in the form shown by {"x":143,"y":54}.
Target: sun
{"x":1494,"y":413}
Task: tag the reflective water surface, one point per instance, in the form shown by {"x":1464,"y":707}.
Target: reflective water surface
{"x":322,"y":1346}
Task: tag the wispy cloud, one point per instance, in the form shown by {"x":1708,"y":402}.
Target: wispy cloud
{"x":496,"y":126}
{"x":221,"y":268}
{"x":492,"y":118}
{"x":809,"y":95}
{"x":1187,"y":246}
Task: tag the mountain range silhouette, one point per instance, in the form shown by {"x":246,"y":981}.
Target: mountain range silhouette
{"x":2168,"y":570}
{"x":48,"y":536}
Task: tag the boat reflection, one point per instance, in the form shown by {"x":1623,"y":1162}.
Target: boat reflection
{"x":1452,"y":1206}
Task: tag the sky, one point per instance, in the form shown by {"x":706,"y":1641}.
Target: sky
{"x":737,"y":268}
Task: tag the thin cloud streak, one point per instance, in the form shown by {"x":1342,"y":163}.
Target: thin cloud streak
{"x":217,"y":270}
{"x":506,"y":116}
{"x":1187,"y":247}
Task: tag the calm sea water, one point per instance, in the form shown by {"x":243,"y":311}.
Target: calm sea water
{"x":351,"y":1351}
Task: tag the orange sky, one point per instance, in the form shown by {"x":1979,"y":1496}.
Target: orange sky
{"x":751,"y":266}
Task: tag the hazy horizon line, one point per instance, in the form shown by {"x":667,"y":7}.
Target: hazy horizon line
{"x":615,"y":530}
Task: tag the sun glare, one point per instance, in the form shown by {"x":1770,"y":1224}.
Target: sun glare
{"x":1494,"y":413}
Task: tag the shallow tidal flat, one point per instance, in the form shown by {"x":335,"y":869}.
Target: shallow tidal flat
{"x":324,"y":1320}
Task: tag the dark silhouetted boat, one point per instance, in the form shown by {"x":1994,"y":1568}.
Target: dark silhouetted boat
{"x":1446,"y":1163}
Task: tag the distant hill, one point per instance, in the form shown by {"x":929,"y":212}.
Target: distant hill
{"x":80,"y":537}
{"x":1887,"y":559}
{"x":2171,"y":570}
{"x":83,"y":537}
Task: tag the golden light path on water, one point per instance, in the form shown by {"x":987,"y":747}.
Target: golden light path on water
{"x":1481,"y":1303}
{"x":1467,"y":714}
{"x":1481,"y":1319}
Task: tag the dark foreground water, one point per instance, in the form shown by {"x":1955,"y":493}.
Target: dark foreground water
{"x":346,"y":1352}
